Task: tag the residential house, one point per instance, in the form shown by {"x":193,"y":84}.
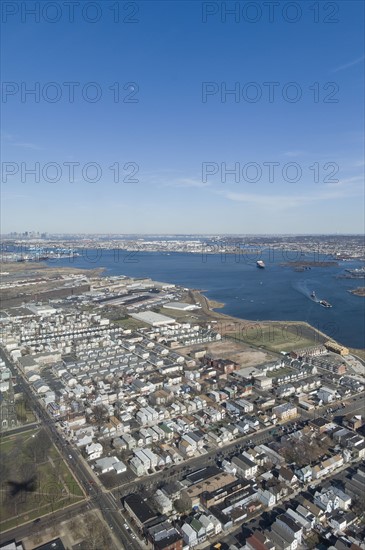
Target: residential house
{"x":287,"y":476}
{"x":267,"y":498}
{"x":244,"y":466}
{"x":94,"y":451}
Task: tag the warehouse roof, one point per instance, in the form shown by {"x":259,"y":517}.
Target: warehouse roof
{"x":151,"y":318}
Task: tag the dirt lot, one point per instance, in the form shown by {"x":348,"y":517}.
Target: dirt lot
{"x":235,"y":351}
{"x":37,"y":281}
{"x":40,"y":268}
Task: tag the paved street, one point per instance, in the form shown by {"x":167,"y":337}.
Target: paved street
{"x":99,"y":497}
{"x":109,"y":502}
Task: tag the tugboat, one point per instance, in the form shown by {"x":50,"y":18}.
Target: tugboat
{"x":324,"y":303}
{"x":260,"y":264}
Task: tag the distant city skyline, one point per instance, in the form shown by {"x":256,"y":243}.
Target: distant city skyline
{"x":182,"y":121}
{"x":47,"y":234}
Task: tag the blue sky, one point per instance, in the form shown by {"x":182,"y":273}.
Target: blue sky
{"x":169,"y":134}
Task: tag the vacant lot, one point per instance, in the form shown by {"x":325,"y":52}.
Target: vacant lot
{"x":130,"y":323}
{"x":85,"y":531}
{"x":34,"y":479}
{"x":277,"y":336}
{"x":236,"y":351}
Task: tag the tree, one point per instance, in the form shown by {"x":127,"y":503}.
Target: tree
{"x":182,"y":504}
{"x":95,"y":533}
{"x":100,"y":414}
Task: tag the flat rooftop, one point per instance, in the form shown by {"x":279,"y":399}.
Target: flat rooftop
{"x":152,"y":318}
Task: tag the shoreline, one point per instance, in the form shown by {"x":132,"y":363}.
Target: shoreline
{"x":208,"y":308}
{"x":235,"y":327}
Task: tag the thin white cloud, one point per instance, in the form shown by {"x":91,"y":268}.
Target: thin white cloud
{"x":10,"y":139}
{"x":349,"y":64}
{"x":5,"y":136}
{"x":347,"y":182}
{"x":27,"y":145}
{"x":294,"y":153}
{"x":344,"y":188}
{"x":187,"y":182}
{"x":16,"y":196}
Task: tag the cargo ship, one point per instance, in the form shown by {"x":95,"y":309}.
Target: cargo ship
{"x":260,"y":264}
{"x":324,"y":303}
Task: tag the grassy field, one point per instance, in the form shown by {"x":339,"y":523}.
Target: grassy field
{"x":180,"y":316}
{"x":130,"y":323}
{"x":276,"y":337}
{"x":23,"y":412}
{"x":34,"y":479}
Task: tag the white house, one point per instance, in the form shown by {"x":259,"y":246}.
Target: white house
{"x":110,"y":463}
{"x":266,"y":497}
{"x":244,"y":466}
{"x":189,"y":535}
{"x":94,"y":451}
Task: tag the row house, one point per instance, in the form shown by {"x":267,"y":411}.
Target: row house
{"x":242,"y":427}
{"x":300,"y":520}
{"x":129,"y":441}
{"x":137,"y":466}
{"x":290,"y":525}
{"x":305,"y":516}
{"x":327,"y":466}
{"x":144,"y":459}
{"x":146,"y":436}
{"x":344,"y":500}
{"x":304,"y":474}
{"x":147,"y":415}
{"x":312,"y":510}
{"x":215,"y":414}
{"x":221,"y":438}
{"x":260,"y":541}
{"x":281,"y":538}
{"x":245,"y":467}
{"x":287,"y":476}
{"x":193,"y":532}
{"x":340,"y":520}
{"x":285,"y":411}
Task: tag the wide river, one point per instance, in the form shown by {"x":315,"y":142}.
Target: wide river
{"x":274,"y":293}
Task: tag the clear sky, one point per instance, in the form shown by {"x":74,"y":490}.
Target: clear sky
{"x":293,"y":129}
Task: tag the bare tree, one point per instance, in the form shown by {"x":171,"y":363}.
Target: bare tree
{"x":95,"y":533}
